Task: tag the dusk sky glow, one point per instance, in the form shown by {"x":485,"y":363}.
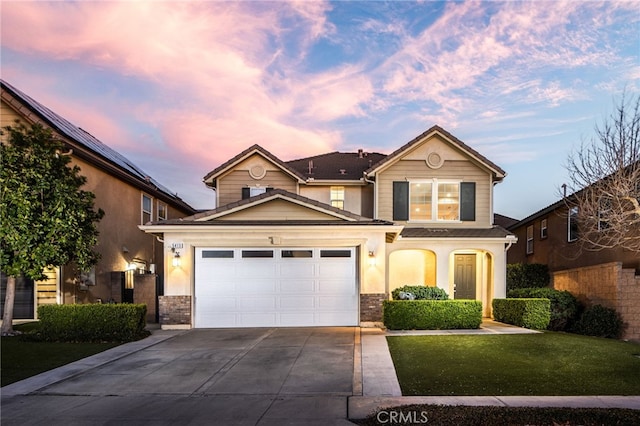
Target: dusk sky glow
{"x":179,"y":87}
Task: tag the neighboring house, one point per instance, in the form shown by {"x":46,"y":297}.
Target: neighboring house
{"x":324,"y":240}
{"x":129,"y":197}
{"x":608,"y":277}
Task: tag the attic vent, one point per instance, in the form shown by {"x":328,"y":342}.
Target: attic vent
{"x":343,"y":172}
{"x":147,"y":179}
{"x":360,"y":153}
{"x":310,"y":167}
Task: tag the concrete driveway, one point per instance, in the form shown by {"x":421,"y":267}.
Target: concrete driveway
{"x":222,"y":376}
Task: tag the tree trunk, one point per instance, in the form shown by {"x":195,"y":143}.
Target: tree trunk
{"x":7,"y":316}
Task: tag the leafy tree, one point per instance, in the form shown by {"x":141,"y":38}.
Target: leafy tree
{"x":45,"y":219}
{"x":605,"y":176}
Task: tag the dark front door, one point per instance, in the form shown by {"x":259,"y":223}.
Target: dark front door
{"x":465,"y":276}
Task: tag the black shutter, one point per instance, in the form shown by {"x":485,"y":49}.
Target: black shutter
{"x":400,"y":200}
{"x":246,"y":193}
{"x":468,"y":201}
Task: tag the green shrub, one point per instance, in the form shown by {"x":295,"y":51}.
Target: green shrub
{"x":431,"y":314}
{"x":527,"y":275}
{"x":92,"y":322}
{"x":529,"y":313}
{"x":421,"y":292}
{"x":564,"y":305}
{"x":599,"y":321}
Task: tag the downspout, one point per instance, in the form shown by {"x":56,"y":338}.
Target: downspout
{"x":375,"y":194}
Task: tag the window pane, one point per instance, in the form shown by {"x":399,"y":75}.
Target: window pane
{"x":337,"y":196}
{"x":253,"y":191}
{"x":146,"y":204}
{"x":297,"y":253}
{"x":335,"y":253}
{"x":217,"y":254}
{"x":257,"y":253}
{"x":420,"y":201}
{"x":162,"y":211}
{"x":448,"y":201}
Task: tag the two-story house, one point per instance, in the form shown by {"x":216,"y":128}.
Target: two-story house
{"x":610,"y":277}
{"x":324,"y":240}
{"x":131,"y":263}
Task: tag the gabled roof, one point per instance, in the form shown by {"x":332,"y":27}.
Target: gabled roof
{"x":207,"y":217}
{"x":394,"y":156}
{"x":89,"y":142}
{"x":254,"y":149}
{"x":336,"y":165}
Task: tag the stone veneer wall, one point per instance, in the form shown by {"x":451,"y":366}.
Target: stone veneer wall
{"x":175,"y":310}
{"x":371,"y":307}
{"x":609,"y":285}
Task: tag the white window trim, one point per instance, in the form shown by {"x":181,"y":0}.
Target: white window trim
{"x":339,"y":189}
{"x":143,"y":211}
{"x":166,"y":210}
{"x":529,"y":248}
{"x":434,"y":199}
{"x":569,"y":239}
{"x":544,"y":229}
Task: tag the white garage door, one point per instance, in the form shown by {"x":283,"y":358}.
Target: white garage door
{"x":265,"y":287}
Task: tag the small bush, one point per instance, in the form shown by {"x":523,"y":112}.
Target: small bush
{"x":564,"y":305}
{"x":599,"y":321}
{"x":529,"y":313}
{"x":92,"y":322}
{"x":527,"y":275}
{"x":431,"y":314}
{"x":421,"y":292}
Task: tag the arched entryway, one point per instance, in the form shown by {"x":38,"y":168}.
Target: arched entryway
{"x":472,"y":277}
{"x":412,"y":267}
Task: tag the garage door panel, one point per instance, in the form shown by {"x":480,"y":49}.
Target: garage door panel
{"x":289,"y":287}
{"x":336,"y":269}
{"x":297,"y":286}
{"x":297,"y":303}
{"x":336,"y":286}
{"x":295,"y":268}
{"x":298,"y":319}
{"x":257,"y":268}
{"x":257,"y":319}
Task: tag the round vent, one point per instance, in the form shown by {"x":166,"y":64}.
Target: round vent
{"x":257,"y":171}
{"x":435,"y":160}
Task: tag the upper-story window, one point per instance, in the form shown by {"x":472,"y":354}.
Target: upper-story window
{"x":162,"y":211}
{"x":337,"y":196}
{"x":544,"y":230}
{"x":572,"y":224}
{"x":252,"y":191}
{"x":447,"y":201}
{"x":147,"y":208}
{"x":432,"y":200}
{"x":530,"y":239}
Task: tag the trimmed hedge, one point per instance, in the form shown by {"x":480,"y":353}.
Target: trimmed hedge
{"x":564,"y":306}
{"x":431,"y":314}
{"x":529,"y":313}
{"x":421,"y":292}
{"x":600,"y":321}
{"x":92,"y":322}
{"x":527,"y":275}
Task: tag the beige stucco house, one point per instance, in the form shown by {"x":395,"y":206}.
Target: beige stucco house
{"x":324,"y":240}
{"x":131,"y":262}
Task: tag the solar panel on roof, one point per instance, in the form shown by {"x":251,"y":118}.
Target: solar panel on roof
{"x":88,"y":140}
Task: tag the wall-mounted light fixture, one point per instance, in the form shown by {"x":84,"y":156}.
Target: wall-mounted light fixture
{"x":176,"y":258}
{"x":372,"y":258}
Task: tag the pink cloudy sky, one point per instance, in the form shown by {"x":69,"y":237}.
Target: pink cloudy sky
{"x":181,"y":86}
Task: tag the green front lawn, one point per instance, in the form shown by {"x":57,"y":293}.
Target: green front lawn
{"x":524,"y":364}
{"x":24,"y":357}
